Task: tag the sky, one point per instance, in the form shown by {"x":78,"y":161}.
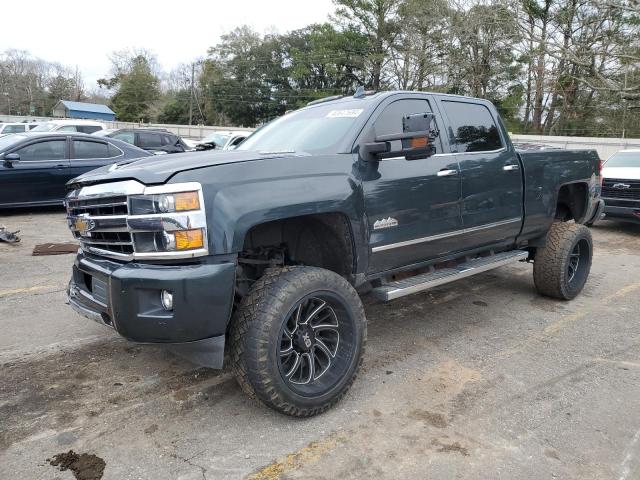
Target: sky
{"x":83,"y":33}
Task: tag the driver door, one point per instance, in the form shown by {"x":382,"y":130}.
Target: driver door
{"x":39,"y":176}
{"x":411,"y":205}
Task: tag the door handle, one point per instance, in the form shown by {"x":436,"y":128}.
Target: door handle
{"x":447,"y":173}
{"x":511,"y":168}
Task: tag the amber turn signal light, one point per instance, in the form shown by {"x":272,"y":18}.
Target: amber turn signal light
{"x":186,"y":201}
{"x":189,"y":239}
{"x":419,"y":142}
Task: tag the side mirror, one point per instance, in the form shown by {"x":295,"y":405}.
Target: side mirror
{"x":10,"y":158}
{"x":415,"y":142}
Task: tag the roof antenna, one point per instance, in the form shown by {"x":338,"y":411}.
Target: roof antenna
{"x":360,"y":93}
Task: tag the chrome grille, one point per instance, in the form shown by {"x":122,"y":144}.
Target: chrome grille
{"x":106,"y":217}
{"x":619,"y":188}
{"x":99,"y":206}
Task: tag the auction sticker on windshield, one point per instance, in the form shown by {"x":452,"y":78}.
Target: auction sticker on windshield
{"x":353,"y":113}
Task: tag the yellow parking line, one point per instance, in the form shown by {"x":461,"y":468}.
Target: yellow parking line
{"x":306,"y":455}
{"x":563,"y":322}
{"x":16,"y":291}
{"x":557,"y":326}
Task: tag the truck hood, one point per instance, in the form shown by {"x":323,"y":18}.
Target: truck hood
{"x":622,"y":173}
{"x":160,"y":168}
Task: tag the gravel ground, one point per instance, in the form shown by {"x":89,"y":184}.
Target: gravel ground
{"x":481,"y":379}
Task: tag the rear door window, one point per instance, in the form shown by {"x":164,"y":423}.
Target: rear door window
{"x":46,"y":150}
{"x":88,"y":128}
{"x":128,"y":137}
{"x":84,"y":149}
{"x":473,"y":128}
{"x":149,"y":140}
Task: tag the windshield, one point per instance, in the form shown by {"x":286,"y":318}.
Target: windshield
{"x":8,"y":141}
{"x":218,"y":138}
{"x":624,"y":159}
{"x":45,"y":127}
{"x":317,"y":129}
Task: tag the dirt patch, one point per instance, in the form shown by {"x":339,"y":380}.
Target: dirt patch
{"x":454,"y":447}
{"x":84,"y":466}
{"x":437,"y":420}
{"x":48,"y":392}
{"x":551,"y":453}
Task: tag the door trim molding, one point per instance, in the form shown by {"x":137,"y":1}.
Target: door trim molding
{"x":441,"y":236}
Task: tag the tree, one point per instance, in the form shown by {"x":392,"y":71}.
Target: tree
{"x":378,"y":20}
{"x":136,"y":85}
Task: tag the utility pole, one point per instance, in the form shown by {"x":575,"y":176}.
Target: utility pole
{"x":624,"y":103}
{"x":193,"y":67}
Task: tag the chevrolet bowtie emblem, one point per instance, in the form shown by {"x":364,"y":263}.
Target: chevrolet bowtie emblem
{"x":385,"y":223}
{"x":621,"y":186}
{"x":83,"y":225}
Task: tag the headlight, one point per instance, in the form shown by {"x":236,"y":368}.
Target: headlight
{"x":165,"y":203}
{"x":168,"y":220}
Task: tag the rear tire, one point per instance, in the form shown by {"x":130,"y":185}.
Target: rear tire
{"x":297,"y":340}
{"x":562,"y":266}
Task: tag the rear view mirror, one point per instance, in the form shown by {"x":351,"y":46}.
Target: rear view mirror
{"x":10,"y":158}
{"x":415,"y":141}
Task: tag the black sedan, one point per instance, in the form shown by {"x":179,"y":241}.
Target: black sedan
{"x":35,"y":167}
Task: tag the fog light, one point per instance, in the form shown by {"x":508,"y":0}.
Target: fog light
{"x":166,"y":297}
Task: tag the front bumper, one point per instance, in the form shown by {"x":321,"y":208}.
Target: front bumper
{"x":616,"y":209}
{"x":126,"y":297}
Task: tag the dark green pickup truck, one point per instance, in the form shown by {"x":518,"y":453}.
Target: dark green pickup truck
{"x":265,"y":249}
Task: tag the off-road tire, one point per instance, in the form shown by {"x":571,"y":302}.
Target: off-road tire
{"x":550,"y":267}
{"x":254,"y":337}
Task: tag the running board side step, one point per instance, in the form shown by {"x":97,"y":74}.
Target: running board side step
{"x":407,"y":286}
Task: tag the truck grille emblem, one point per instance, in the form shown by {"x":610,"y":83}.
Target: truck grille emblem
{"x":385,"y":223}
{"x":621,"y":186}
{"x":83,"y":225}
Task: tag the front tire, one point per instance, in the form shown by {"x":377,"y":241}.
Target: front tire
{"x":297,"y":340}
{"x":562,"y":266}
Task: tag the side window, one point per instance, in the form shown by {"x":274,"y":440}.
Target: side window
{"x":47,"y":150}
{"x":88,"y":128}
{"x":390,"y":120}
{"x":67,"y":128}
{"x":473,"y":129}
{"x":237,"y":141}
{"x":167,"y":140}
{"x":114,"y":151}
{"x":128,"y":137}
{"x":83,"y":149}
{"x":149,"y":140}
{"x":13,"y":129}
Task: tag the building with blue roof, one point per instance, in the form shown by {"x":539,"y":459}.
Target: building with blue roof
{"x":92,"y":111}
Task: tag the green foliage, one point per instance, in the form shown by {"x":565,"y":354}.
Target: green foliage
{"x":137,"y":88}
{"x":176,"y":110}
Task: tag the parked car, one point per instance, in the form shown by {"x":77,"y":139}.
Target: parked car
{"x":36,"y":166}
{"x":222,"y":140}
{"x":264,"y":247}
{"x":16,"y":127}
{"x":621,"y":186}
{"x":157,"y":141}
{"x":69,"y":125}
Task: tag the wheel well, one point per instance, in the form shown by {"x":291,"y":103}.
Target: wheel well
{"x":319,"y":240}
{"x":572,"y":202}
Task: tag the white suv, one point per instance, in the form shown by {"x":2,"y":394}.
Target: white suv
{"x":16,"y":127}
{"x":69,"y":125}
